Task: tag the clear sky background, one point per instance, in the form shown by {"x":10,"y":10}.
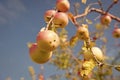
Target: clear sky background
{"x":20,"y":21}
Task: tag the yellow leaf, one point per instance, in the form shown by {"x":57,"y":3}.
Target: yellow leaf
{"x":99,"y":26}
{"x":88,"y":21}
{"x":29,"y":44}
{"x":73,"y":40}
{"x":31,"y":70}
{"x":84,"y":1}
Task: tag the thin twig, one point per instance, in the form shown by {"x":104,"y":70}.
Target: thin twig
{"x":110,"y":7}
{"x":98,"y":11}
{"x":100,"y":3}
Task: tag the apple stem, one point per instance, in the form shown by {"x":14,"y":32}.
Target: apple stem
{"x":50,"y":22}
{"x":110,"y":7}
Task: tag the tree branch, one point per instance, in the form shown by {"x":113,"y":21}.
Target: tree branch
{"x":98,"y":11}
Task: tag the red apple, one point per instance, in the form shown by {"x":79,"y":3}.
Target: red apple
{"x":47,"y":40}
{"x":105,"y":19}
{"x":37,"y":55}
{"x":63,"y":5}
{"x":82,"y":33}
{"x":116,"y":33}
{"x":49,"y":14}
{"x":60,"y":20}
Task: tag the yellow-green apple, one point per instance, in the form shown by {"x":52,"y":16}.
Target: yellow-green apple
{"x":49,"y":14}
{"x":47,"y":40}
{"x":38,"y":55}
{"x":95,"y":52}
{"x":116,"y":33}
{"x":63,"y":5}
{"x":105,"y":19}
{"x":82,"y":33}
{"x":60,"y":20}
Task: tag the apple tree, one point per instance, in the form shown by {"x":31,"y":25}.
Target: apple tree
{"x":82,"y":55}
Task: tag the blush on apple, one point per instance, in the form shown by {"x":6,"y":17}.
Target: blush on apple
{"x":116,"y":33}
{"x":105,"y":19}
{"x":63,"y":5}
{"x":37,"y":55}
{"x":60,"y":20}
{"x":47,"y":40}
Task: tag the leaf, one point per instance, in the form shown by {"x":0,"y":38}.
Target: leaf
{"x":84,"y":1}
{"x":99,"y":26}
{"x":29,"y":44}
{"x":31,"y":70}
{"x":87,"y":67}
{"x":73,"y":40}
{"x":88,"y":21}
{"x":85,"y":25}
{"x":104,"y":39}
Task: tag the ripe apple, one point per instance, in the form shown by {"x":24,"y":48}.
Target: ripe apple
{"x":60,"y":20}
{"x":63,"y":5}
{"x":98,"y":53}
{"x":82,"y":33}
{"x":49,"y":14}
{"x":37,"y":55}
{"x":47,"y":40}
{"x":95,"y":51}
{"x":116,"y":33}
{"x":105,"y":19}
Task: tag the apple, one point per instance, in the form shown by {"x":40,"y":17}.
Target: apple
{"x":82,"y":33}
{"x":49,"y":14}
{"x":105,"y":19}
{"x":95,"y":51}
{"x":37,"y":55}
{"x":98,"y":53}
{"x":60,"y":20}
{"x":116,"y":33}
{"x":47,"y":40}
{"x":63,"y":5}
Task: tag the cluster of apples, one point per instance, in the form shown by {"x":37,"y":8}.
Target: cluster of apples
{"x":47,"y":40}
{"x":60,"y":18}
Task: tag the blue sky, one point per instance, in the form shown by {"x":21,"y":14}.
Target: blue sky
{"x":20,"y":21}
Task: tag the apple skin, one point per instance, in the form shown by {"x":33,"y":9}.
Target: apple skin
{"x":116,"y":33}
{"x":96,"y":52}
{"x":60,"y":20}
{"x":39,"y":56}
{"x":105,"y":19}
{"x":82,"y":33}
{"x":47,"y":40}
{"x":63,"y":5}
{"x":49,"y":14}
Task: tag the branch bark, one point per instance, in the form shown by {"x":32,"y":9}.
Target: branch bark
{"x":98,"y":11}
